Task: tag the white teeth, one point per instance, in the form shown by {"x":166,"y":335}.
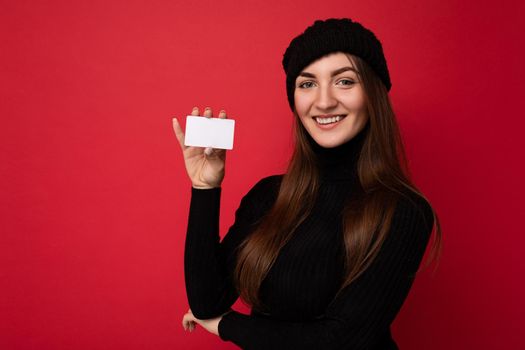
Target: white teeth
{"x":328,"y":120}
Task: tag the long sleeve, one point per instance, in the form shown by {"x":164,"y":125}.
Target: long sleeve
{"x":209,"y":262}
{"x":361,"y":315}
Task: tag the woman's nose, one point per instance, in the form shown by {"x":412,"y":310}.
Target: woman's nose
{"x":325,"y":98}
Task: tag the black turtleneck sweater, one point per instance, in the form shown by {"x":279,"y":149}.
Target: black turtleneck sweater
{"x":300,"y":287}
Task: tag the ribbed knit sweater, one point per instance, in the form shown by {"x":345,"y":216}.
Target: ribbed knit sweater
{"x":299,"y":289}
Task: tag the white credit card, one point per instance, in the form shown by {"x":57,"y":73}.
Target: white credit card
{"x":209,"y":132}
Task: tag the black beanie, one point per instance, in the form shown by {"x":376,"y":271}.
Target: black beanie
{"x":328,"y":36}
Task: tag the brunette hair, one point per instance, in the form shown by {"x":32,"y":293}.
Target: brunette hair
{"x":383,"y":176}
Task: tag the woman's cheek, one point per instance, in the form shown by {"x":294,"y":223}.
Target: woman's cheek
{"x":301,"y":104}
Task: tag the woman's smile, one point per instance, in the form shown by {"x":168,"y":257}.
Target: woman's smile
{"x":329,"y":122}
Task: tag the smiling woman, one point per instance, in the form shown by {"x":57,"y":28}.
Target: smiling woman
{"x":329,"y":96}
{"x":326,"y":253}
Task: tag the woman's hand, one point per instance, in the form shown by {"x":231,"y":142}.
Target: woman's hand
{"x":205,"y":166}
{"x":211,"y":325}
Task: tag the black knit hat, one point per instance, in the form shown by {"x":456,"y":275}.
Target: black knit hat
{"x":328,"y":36}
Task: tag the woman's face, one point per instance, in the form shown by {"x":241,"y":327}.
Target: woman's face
{"x":330,"y":87}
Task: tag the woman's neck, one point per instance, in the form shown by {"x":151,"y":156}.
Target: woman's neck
{"x":338,"y":163}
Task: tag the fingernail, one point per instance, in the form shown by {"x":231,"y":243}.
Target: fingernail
{"x":195,"y":108}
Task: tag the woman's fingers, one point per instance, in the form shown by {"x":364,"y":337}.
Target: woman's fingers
{"x":188,"y":322}
{"x":184,"y":322}
{"x":189,"y":326}
{"x":222,"y":153}
{"x":207,"y":112}
{"x":178,"y":129}
{"x":178,"y":133}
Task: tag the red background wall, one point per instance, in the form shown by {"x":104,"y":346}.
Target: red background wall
{"x":94,"y":194}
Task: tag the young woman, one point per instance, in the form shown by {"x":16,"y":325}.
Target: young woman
{"x":326,"y":253}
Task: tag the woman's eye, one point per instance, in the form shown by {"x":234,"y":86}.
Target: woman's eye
{"x":348,"y":81}
{"x":302,"y":85}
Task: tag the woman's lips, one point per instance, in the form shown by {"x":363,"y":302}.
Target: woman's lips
{"x":329,"y":125}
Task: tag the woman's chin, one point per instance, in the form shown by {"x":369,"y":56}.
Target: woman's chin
{"x":328,"y":143}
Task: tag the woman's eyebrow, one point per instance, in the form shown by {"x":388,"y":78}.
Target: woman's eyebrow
{"x":334,"y":73}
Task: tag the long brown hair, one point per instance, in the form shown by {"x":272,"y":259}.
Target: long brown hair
{"x":383,"y":175}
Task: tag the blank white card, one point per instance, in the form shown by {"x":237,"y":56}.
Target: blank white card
{"x":209,"y":132}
